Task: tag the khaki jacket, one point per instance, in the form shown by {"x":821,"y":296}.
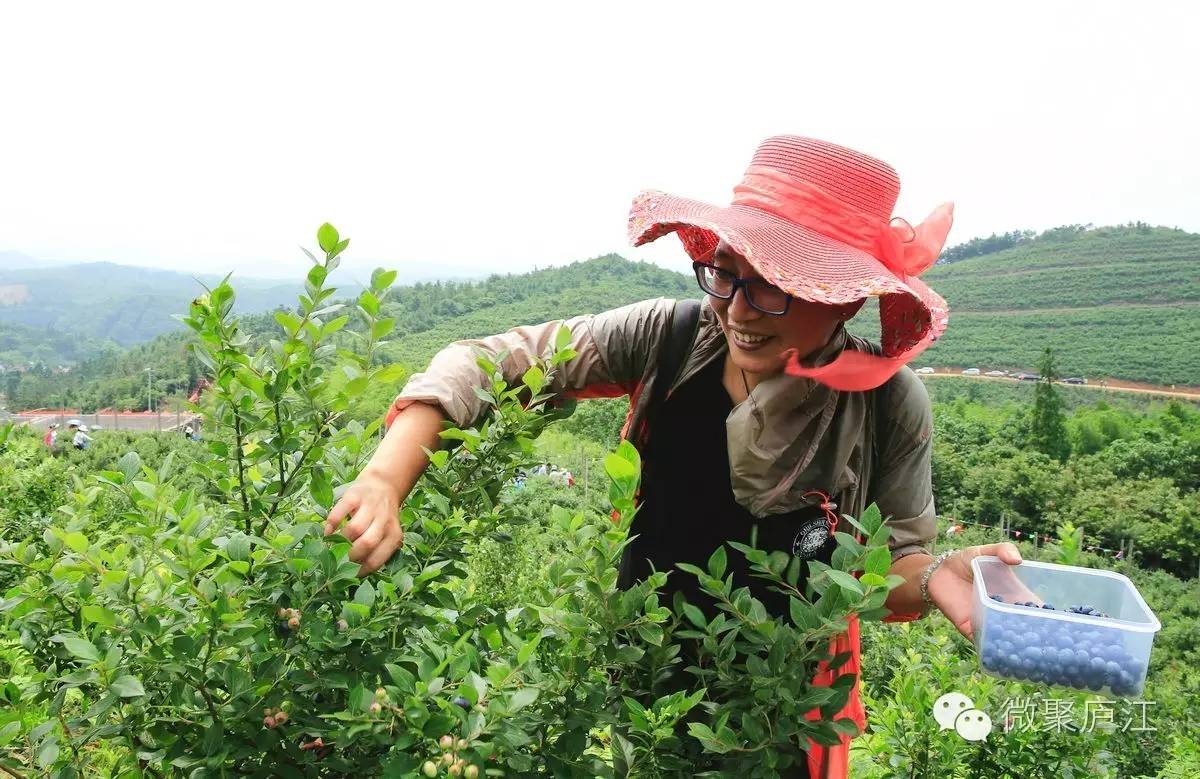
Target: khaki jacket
{"x":790,"y":436}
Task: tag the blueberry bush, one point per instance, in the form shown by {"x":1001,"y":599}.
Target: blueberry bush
{"x":187,"y":617}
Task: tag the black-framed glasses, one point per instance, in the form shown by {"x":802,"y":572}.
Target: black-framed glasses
{"x":723,"y":284}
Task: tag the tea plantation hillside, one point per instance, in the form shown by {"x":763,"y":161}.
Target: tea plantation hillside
{"x":1111,"y":302}
{"x":1119,"y":302}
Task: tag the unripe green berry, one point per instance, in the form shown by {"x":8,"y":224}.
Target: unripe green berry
{"x":463,"y":744}
{"x":281,"y":718}
{"x":293,"y":622}
{"x":376,"y":708}
{"x":471,"y":772}
{"x":447,"y":757}
{"x":455,"y":769}
{"x":268,"y":722}
{"x":446,"y":741}
{"x":343,"y":625}
{"x":429,"y":769}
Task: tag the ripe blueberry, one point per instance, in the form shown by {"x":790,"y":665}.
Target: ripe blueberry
{"x":461,"y":702}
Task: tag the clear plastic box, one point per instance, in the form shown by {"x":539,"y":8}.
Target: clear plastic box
{"x":1056,"y":646}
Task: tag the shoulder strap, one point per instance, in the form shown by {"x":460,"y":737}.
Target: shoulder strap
{"x":680,"y":335}
{"x":879,"y":414}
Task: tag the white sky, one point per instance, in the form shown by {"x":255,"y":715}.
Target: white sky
{"x":216,"y":136}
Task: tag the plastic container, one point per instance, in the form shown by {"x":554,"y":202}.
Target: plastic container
{"x":1036,"y":644}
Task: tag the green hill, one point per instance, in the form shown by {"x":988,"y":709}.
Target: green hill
{"x":429,"y":316}
{"x":1121,"y":302}
{"x":1111,"y":302}
{"x":122,"y":303}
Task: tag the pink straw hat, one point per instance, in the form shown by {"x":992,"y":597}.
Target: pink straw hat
{"x":815,"y":219}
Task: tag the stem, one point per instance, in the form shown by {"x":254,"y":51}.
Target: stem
{"x":241,"y":467}
{"x":200,"y":685}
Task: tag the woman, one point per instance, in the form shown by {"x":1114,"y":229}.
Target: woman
{"x":776,"y":417}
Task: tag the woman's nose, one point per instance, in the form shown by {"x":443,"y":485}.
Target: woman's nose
{"x":740,"y":308}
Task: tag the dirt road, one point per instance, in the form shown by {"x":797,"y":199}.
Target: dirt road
{"x":1109,"y":385}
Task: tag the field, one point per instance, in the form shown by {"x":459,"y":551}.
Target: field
{"x":1110,"y":303}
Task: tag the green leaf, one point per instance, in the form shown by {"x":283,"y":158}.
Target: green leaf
{"x":9,"y":732}
{"x":288,"y":321}
{"x":522,"y":698}
{"x":327,"y":237}
{"x":365,"y":594}
{"x":845,"y":581}
{"x":47,"y":753}
{"x":382,"y":279}
{"x":716,"y":563}
{"x":619,"y":469}
{"x":369,"y":302}
{"x":535,"y":379}
{"x":651,"y":633}
{"x":873,"y":580}
{"x":76,"y":542}
{"x":562,"y":338}
{"x":879,"y":561}
{"x":695,"y":616}
{"x":128,"y":687}
{"x":81,"y":648}
{"x":98,"y":614}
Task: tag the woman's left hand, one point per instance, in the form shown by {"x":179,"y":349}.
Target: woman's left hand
{"x":951,"y":587}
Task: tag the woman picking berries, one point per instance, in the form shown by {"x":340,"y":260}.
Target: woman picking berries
{"x":775,"y":420}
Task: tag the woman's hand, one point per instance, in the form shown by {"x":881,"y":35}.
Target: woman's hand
{"x":373,"y":503}
{"x":951,"y":587}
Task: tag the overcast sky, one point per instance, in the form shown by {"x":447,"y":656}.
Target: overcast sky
{"x":218,"y":136}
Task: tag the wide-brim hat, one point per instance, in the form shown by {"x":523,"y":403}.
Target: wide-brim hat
{"x":815,"y":219}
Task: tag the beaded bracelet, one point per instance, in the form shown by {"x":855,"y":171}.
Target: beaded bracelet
{"x":929,"y":569}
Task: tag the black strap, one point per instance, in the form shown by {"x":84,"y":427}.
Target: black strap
{"x":674,"y":350}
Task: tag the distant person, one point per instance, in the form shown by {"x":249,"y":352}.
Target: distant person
{"x":51,"y":436}
{"x":188,"y":432}
{"x":82,"y":439}
{"x":776,"y":419}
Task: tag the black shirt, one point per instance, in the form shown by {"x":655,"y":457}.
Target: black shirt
{"x":687,"y":504}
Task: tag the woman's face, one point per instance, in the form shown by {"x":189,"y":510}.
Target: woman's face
{"x":758,"y":341}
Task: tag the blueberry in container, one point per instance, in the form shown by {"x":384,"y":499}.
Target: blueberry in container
{"x":1097,"y":638}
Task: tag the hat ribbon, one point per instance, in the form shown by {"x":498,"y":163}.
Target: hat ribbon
{"x":905,"y":250}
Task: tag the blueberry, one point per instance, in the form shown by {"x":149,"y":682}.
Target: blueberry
{"x":1048,"y":606}
{"x":461,"y":702}
{"x":282,"y":629}
{"x":996,"y":598}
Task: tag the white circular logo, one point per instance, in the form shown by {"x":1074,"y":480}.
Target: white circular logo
{"x":810,"y":539}
{"x":947,"y":708}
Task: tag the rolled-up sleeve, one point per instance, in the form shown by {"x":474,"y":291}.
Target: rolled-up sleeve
{"x":611,"y":349}
{"x":904,"y":480}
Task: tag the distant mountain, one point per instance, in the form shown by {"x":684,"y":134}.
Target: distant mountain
{"x":1112,"y":302}
{"x":10,"y":260}
{"x":122,"y":303}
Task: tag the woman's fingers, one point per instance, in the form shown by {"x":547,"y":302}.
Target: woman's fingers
{"x":365,"y":544}
{"x":348,"y":504}
{"x":383,"y":552}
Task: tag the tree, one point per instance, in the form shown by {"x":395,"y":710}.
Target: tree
{"x":1048,"y":426}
